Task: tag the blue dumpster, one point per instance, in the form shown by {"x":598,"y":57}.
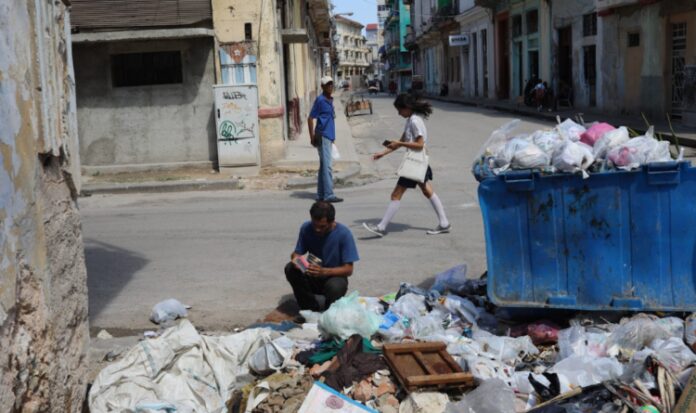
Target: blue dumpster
{"x":614,"y":241}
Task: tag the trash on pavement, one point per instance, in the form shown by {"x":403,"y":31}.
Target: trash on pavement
{"x":346,"y":317}
{"x":690,"y":331}
{"x":429,"y":402}
{"x":181,"y":367}
{"x":492,"y":396}
{"x":324,"y":399}
{"x":273,"y":356}
{"x":422,"y":365}
{"x":454,"y":280}
{"x":418,"y":350}
{"x":687,"y":401}
{"x":168,"y":310}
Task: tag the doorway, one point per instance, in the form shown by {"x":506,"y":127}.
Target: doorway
{"x":565,"y":57}
{"x":503,"y":57}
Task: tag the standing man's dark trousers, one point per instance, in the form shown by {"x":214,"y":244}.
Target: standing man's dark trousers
{"x":304,"y":287}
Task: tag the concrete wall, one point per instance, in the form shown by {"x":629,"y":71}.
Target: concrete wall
{"x":154,"y":124}
{"x":229,"y":17}
{"x":43,"y":290}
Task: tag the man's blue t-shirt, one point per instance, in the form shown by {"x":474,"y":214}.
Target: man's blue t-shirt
{"x":335,"y":248}
{"x":323,"y":112}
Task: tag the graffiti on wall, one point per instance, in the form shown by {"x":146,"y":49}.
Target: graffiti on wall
{"x":231,"y":132}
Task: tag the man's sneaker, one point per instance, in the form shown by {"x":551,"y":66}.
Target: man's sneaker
{"x":439,"y":230}
{"x":334,"y":200}
{"x":374,"y":229}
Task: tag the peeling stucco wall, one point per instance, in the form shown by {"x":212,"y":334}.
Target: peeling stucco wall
{"x":229,"y":18}
{"x":43,"y":293}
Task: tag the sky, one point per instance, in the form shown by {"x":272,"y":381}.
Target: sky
{"x":364,"y":11}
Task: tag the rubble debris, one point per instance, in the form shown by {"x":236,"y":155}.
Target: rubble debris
{"x":104,"y":335}
{"x":430,"y":402}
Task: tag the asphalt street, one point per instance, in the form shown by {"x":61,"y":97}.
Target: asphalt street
{"x":223,"y":252}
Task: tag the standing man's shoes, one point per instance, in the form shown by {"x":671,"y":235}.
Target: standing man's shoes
{"x":334,"y":200}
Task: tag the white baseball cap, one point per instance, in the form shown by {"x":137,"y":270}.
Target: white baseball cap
{"x":325,"y":80}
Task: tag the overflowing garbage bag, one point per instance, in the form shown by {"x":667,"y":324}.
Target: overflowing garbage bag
{"x":439,"y":349}
{"x":570,"y":148}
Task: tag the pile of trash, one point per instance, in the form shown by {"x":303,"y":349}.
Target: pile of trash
{"x":571,"y":148}
{"x":367,"y":354}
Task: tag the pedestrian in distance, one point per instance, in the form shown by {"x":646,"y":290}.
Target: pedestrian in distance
{"x":322,"y":260}
{"x":415,"y":138}
{"x":322,"y":137}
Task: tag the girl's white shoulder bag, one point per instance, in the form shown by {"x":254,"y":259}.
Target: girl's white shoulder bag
{"x":414,"y":165}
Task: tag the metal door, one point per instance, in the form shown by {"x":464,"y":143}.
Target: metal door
{"x":237,"y":125}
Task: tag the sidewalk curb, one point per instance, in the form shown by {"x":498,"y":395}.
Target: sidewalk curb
{"x":157,"y":187}
{"x":339,"y":178}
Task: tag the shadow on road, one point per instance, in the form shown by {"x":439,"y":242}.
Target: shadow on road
{"x":393,"y":227}
{"x":304,"y":195}
{"x":109,"y":269}
{"x":287,"y":309}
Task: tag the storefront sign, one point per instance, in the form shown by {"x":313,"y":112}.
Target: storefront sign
{"x":459,"y":39}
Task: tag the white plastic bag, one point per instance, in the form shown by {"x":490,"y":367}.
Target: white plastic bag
{"x":272,"y":356}
{"x":576,"y":341}
{"x":634,"y":335}
{"x":673,"y":353}
{"x":428,"y":325}
{"x":573,"y":157}
{"x":570,"y":130}
{"x":346,"y":317}
{"x":609,"y":141}
{"x":506,"y":349}
{"x":690,"y":330}
{"x":585,"y":371}
{"x":497,"y":140}
{"x":640,"y":151}
{"x":335,"y":154}
{"x":530,"y":157}
{"x":167,"y":310}
{"x":409,"y":305}
{"x":492,"y":396}
{"x":547,"y":141}
{"x":504,"y":156}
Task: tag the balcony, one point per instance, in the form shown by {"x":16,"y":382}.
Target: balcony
{"x":606,"y":5}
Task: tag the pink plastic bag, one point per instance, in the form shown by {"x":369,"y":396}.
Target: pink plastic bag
{"x":541,"y":332}
{"x":595,"y":132}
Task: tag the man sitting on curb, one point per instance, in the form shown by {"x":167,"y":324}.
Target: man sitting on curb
{"x":333,"y":244}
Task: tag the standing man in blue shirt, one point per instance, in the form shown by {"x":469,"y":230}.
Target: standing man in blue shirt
{"x":322,"y":137}
{"x":334,"y":245}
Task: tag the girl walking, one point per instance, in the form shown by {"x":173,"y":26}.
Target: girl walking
{"x":415,"y":137}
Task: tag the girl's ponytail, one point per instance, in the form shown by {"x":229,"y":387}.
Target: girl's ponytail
{"x":415,"y":103}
